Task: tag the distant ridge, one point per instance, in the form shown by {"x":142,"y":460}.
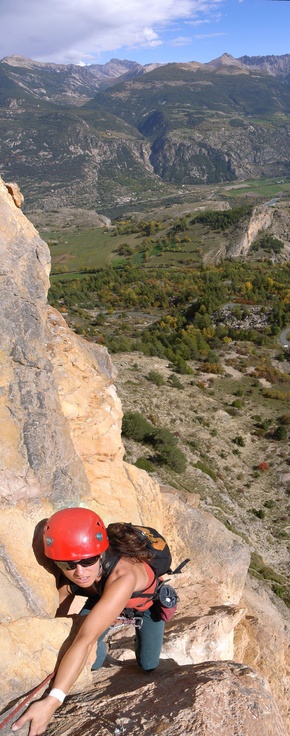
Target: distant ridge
{"x":227,"y":61}
{"x":276,"y":66}
{"x":115,"y":69}
{"x":93,"y":135}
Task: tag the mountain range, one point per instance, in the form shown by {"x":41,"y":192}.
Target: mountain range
{"x":95,"y":135}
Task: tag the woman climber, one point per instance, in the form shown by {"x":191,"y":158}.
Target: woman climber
{"x":77,"y":542}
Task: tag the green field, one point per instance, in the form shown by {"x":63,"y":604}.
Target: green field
{"x":75,"y":250}
{"x":266,"y":188}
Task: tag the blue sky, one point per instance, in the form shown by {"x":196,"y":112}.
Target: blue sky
{"x":94,"y":31}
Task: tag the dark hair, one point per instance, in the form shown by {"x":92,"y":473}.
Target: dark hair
{"x":127,"y":541}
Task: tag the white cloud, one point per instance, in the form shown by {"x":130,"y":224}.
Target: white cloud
{"x":78,"y":31}
{"x":200,"y":36}
{"x":181,"y":41}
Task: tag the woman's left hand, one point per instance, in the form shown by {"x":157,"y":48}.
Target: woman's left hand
{"x":39,"y":715}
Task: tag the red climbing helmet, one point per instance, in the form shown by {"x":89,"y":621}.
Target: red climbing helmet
{"x":74,"y":534}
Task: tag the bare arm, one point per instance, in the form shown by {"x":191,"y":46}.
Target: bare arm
{"x":65,"y":600}
{"x":116,"y":594}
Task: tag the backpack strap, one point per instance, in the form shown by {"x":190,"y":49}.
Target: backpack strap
{"x":179,"y":567}
{"x":109,"y":562}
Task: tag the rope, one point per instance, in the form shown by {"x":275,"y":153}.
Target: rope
{"x":26,"y":700}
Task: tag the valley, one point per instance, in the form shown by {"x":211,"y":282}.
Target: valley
{"x":163,"y":193}
{"x":196,"y":340}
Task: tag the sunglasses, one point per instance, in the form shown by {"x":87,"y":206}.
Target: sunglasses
{"x":72,"y":564}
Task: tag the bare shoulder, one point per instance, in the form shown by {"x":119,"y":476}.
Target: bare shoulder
{"x":129,"y":569}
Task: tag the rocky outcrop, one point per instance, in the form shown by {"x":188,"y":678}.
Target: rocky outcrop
{"x":260,"y":220}
{"x":15,"y":192}
{"x":201,"y":700}
{"x":61,"y":445}
{"x":68,"y":217}
{"x":261,"y":640}
{"x":272,"y":218}
{"x":277,"y":66}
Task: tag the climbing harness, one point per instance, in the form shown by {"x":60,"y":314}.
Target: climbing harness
{"x":122,"y":621}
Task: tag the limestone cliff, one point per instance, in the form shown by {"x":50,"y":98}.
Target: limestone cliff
{"x":61,"y":445}
{"x":261,"y":219}
{"x":264,"y":218}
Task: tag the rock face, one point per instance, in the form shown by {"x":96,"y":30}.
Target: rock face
{"x":277,"y":66}
{"x":65,"y":84}
{"x":261,"y":640}
{"x":261,"y":219}
{"x":61,"y":445}
{"x":205,"y":700}
{"x":41,"y":453}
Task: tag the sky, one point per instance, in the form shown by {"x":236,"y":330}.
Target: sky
{"x":94,"y":31}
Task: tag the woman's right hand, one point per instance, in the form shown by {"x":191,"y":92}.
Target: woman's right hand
{"x":39,"y":715}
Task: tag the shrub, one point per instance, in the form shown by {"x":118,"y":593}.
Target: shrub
{"x":205,"y":469}
{"x":260,"y":570}
{"x":145,"y":464}
{"x":180,"y":366}
{"x":174,"y":381}
{"x":263,"y":467}
{"x":280,"y":433}
{"x":173,"y":457}
{"x":135,"y":426}
{"x":260,"y":513}
{"x":256,"y":474}
{"x":268,"y":243}
{"x":284,"y":419}
{"x":208,"y":367}
{"x":282,"y":592}
{"x":269,"y":504}
{"x":168,"y":453}
{"x":99,"y":319}
{"x":156,"y":377}
{"x":163,"y":436}
{"x":238,"y":440}
{"x":237,"y":403}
